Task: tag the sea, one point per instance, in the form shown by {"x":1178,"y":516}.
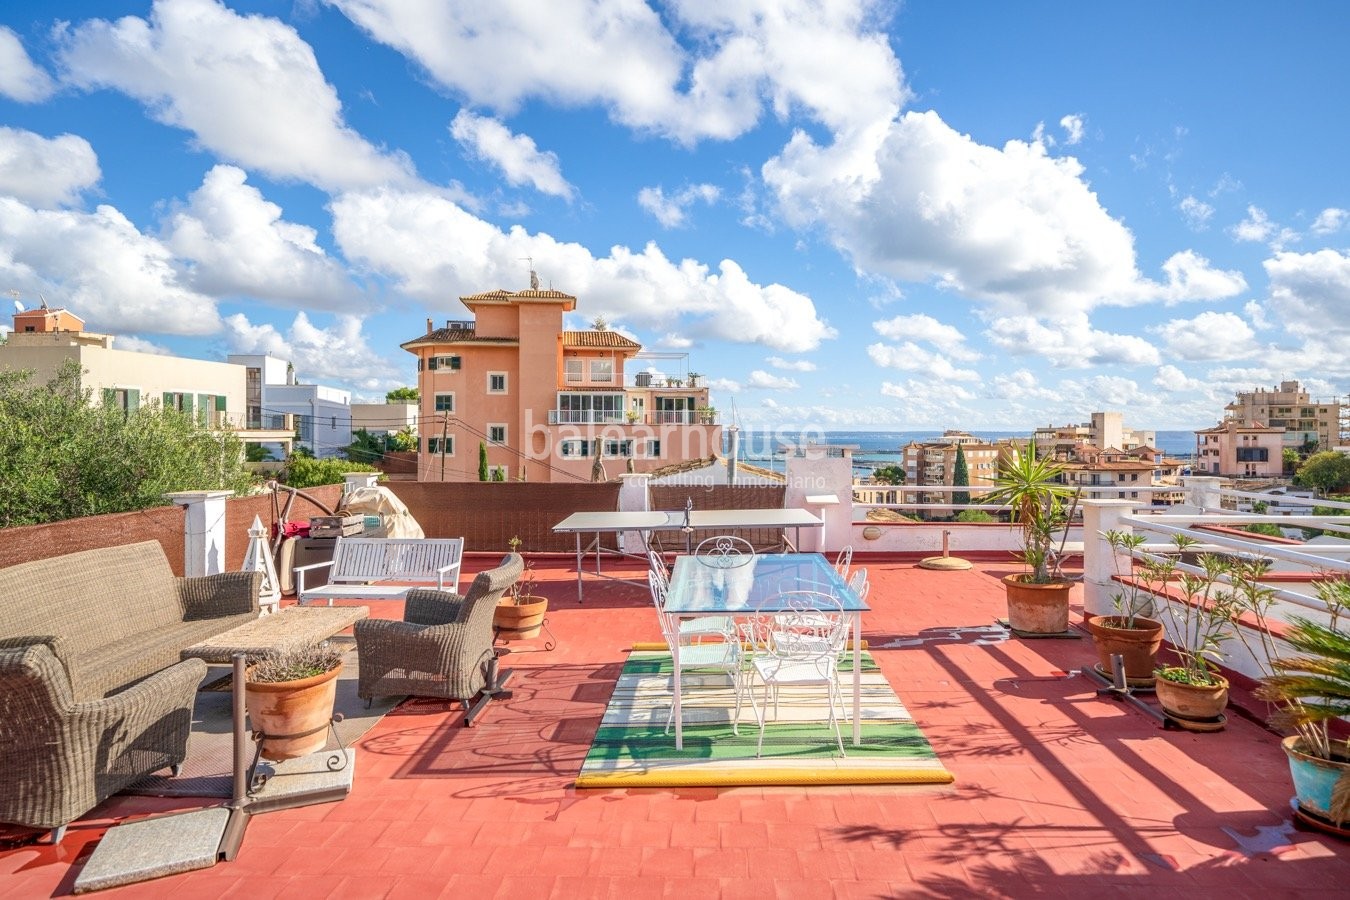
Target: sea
{"x":882,"y":448}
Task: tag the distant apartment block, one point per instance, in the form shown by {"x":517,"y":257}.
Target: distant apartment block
{"x":321,"y":415}
{"x":1141,"y":473}
{"x":934,"y":463}
{"x":1240,"y":450}
{"x":1306,"y":423}
{"x":1105,"y":430}
{"x":549,"y":404}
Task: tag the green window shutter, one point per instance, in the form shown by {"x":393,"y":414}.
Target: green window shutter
{"x":454,"y":362}
{"x":133,"y":399}
{"x":203,"y":407}
{"x":168,"y":400}
{"x":431,"y":363}
{"x":220,"y":402}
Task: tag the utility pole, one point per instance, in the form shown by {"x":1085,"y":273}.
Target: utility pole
{"x":445,"y":424}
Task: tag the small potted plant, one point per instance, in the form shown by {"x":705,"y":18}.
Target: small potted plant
{"x":1131,"y":632}
{"x":520,"y":612}
{"x":289,"y":698}
{"x":693,"y":378}
{"x":1038,"y":600}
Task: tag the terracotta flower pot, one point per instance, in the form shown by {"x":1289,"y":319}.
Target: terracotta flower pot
{"x":1138,"y":645}
{"x":1038,"y":608}
{"x":1192,"y":701}
{"x":1316,"y":780}
{"x":298,"y":712}
{"x":519,"y":621}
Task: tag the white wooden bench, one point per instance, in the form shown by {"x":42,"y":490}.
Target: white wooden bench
{"x":384,"y":568}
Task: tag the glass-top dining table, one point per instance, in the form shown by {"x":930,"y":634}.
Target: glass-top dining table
{"x":714,"y":588}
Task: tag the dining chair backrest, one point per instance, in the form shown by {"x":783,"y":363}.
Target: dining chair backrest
{"x":858,"y":583}
{"x":657,"y":566}
{"x":811,"y":628}
{"x":844,"y":561}
{"x":658,"y":587}
{"x":724,"y":551}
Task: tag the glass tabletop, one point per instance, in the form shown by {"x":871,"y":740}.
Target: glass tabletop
{"x":699,"y":586}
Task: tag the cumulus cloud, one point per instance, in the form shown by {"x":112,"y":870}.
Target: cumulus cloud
{"x":20,"y":79}
{"x":1310,"y":292}
{"x":831,"y":59}
{"x":1329,"y":221}
{"x":247,"y":87}
{"x":1197,"y":213}
{"x":1069,"y":342}
{"x":1258,"y":228}
{"x":238,"y":243}
{"x":99,"y":263}
{"x":432,"y":248}
{"x":1210,"y":335}
{"x":913,"y":199}
{"x":46,"y":172}
{"x":1073,"y":128}
{"x":1020,"y":385}
{"x":672,"y":211}
{"x":1171,"y":379}
{"x":140,"y":345}
{"x":793,"y":365}
{"x":910,"y":357}
{"x":514,"y":154}
{"x":920,"y":327}
{"x":765,"y":381}
{"x":336,"y":354}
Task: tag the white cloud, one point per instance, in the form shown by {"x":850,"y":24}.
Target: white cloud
{"x":435,"y":250}
{"x":1258,"y":228}
{"x":119,"y":279}
{"x":140,"y":345}
{"x":1073,"y":128}
{"x":920,"y":327}
{"x":1210,"y":335}
{"x":915,"y":200}
{"x":924,"y":402}
{"x":1310,"y":292}
{"x":46,"y":172}
{"x":1197,"y":213}
{"x":765,"y":381}
{"x":1021,"y":385}
{"x":240,"y":244}
{"x":831,"y":60}
{"x":20,"y":79}
{"x":1256,"y":314}
{"x":323,"y":355}
{"x":247,"y":87}
{"x":1069,"y":342}
{"x":1190,"y":277}
{"x":1174,"y":381}
{"x":793,"y":365}
{"x":672,"y":211}
{"x":910,"y":357}
{"x":515,"y":154}
{"x":1329,"y":220}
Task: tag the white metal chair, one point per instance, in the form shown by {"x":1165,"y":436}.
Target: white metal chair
{"x":711,"y":656}
{"x":800,"y":648}
{"x":844,"y":561}
{"x":724,"y":551}
{"x":657,"y":566}
{"x":695,"y":629}
{"x":858,"y":583}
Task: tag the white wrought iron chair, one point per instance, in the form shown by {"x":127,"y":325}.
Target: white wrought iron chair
{"x":724,"y":551}
{"x":844,"y":561}
{"x":696,"y":629}
{"x":700,"y":657}
{"x":657,"y":566}
{"x":799,"y":649}
{"x":858,"y":583}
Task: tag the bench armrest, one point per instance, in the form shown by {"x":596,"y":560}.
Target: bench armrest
{"x":444,"y":571}
{"x":300,"y":571}
{"x":219,"y":596}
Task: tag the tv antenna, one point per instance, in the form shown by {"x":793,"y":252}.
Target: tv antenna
{"x":534,"y":278}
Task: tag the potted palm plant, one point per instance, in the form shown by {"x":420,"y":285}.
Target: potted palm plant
{"x":520,"y":612}
{"x":1038,"y":599}
{"x":289,"y":698}
{"x":1131,"y":633}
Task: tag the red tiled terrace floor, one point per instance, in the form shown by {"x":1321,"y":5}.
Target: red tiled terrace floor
{"x":1057,"y":792}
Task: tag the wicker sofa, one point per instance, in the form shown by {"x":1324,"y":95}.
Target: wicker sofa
{"x":93,"y":695}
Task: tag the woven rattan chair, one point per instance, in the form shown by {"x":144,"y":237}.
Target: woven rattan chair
{"x":443,"y":646}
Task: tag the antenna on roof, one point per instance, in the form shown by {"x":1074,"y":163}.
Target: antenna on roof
{"x":44,"y":301}
{"x":18,"y":306}
{"x":534,"y":278}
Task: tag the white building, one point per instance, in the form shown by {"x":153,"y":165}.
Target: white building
{"x":322,"y":415}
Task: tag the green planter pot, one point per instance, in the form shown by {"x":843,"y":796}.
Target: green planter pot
{"x":1315,"y":781}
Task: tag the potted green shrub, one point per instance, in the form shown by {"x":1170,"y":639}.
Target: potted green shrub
{"x":520,"y":612}
{"x":1131,"y":632}
{"x":289,"y":698}
{"x":1038,"y":599}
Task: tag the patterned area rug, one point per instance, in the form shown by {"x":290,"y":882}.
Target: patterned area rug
{"x":631,"y":748}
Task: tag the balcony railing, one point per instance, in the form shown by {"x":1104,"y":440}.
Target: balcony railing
{"x":657,"y":417}
{"x":585,"y":417}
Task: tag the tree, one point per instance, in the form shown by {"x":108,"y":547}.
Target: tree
{"x":365,"y":447}
{"x":305,"y":471}
{"x":888,"y":475}
{"x":1291,"y":460}
{"x":1327,"y":472}
{"x":498,"y":474}
{"x":254,"y":452}
{"x":482,"y":462}
{"x":404,"y":440}
{"x":960,"y":477}
{"x":63,"y":458}
{"x":974,"y":515}
{"x":401,"y":395}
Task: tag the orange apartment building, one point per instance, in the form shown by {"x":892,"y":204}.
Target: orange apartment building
{"x":1240,"y":449}
{"x":548,"y":404}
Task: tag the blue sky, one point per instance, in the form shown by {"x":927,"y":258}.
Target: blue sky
{"x":850,"y":215}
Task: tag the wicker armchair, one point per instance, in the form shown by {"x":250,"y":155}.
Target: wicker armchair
{"x":443,"y":646}
{"x":63,"y":757}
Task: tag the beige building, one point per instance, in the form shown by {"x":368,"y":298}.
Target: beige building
{"x":1240,"y":450}
{"x":1114,"y":474}
{"x":934,"y":462}
{"x":548,"y":404}
{"x":1305,"y":422}
{"x":1104,"y":430}
{"x":384,"y":418}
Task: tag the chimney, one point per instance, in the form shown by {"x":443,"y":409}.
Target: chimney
{"x":428,"y":325}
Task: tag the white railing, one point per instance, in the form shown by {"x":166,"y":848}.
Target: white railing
{"x":585,"y":417}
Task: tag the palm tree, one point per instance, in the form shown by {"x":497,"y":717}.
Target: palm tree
{"x":1031,"y":486}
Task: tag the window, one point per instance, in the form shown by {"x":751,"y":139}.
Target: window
{"x":445,"y":403}
{"x":496,"y":382}
{"x":437,"y":363}
{"x":1253,"y":454}
{"x":496,"y":434}
{"x":653,"y":449}
{"x":618,"y":448}
{"x":497,"y":473}
{"x":573,"y":449}
{"x":572,"y":370}
{"x":178,"y":400}
{"x":602,"y":370}
{"x":434,"y":445}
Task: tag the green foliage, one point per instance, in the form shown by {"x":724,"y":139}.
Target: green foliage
{"x":1327,"y":472}
{"x":482,"y":462}
{"x":1033,"y":489}
{"x":402,"y":395}
{"x":306,"y":471}
{"x":1312,"y":688}
{"x":404,"y":440}
{"x":974,"y":515}
{"x":498,"y":474}
{"x":257,"y":453}
{"x":960,"y":476}
{"x":1134,"y":600}
{"x":1208,"y":617}
{"x":1270,"y":529}
{"x":888,"y":475}
{"x":61,"y":458}
{"x":1291,"y":458}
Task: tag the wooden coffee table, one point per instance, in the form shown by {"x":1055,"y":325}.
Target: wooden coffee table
{"x":292,"y":628}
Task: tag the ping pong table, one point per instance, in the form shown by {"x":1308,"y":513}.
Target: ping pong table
{"x":686,"y":521}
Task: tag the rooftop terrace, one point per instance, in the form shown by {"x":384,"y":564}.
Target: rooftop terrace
{"x":1058,"y":792}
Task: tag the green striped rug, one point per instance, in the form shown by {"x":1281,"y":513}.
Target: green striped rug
{"x":631,"y":748}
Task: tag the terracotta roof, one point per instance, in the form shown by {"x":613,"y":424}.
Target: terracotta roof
{"x":455,"y":336}
{"x":593,"y":338}
{"x":501,"y":296}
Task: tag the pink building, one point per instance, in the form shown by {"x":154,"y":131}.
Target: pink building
{"x":1240,"y":449}
{"x":548,"y":404}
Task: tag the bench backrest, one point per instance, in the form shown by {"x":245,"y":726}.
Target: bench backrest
{"x":368,"y":559}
